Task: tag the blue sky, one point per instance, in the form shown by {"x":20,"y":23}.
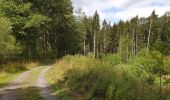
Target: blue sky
{"x":114,"y":10}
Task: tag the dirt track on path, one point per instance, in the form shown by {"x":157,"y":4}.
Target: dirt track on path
{"x":45,"y":90}
{"x":27,"y":85}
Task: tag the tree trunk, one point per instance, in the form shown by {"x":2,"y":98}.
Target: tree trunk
{"x":97,"y":47}
{"x":127,"y":54}
{"x":104,"y":44}
{"x":133,"y":43}
{"x":136,"y":43}
{"x":94,"y":48}
{"x":150,"y":28}
{"x":85,"y":45}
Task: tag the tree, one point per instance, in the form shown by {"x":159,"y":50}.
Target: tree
{"x":153,"y":32}
{"x":81,"y":21}
{"x":44,"y":28}
{"x":8,"y":45}
{"x":135,"y":35}
{"x":164,"y":36}
{"x":25,"y":25}
{"x":89,"y":34}
{"x":104,"y":37}
{"x":96,"y":30}
{"x":114,"y":39}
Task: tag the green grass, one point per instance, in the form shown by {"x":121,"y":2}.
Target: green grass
{"x":6,"y":78}
{"x":12,"y":70}
{"x":84,"y":78}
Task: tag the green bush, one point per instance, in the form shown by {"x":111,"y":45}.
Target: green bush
{"x":106,"y":78}
{"x":112,"y":59}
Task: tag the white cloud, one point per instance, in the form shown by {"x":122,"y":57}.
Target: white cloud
{"x":140,"y":11}
{"x":123,"y":9}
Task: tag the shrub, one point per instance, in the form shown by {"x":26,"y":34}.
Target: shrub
{"x":99,"y":79}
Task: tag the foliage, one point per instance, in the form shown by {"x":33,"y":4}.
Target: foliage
{"x":15,"y":67}
{"x":8,"y":45}
{"x":36,"y":20}
{"x":112,"y":59}
{"x":12,"y":70}
{"x":151,"y":62}
{"x":102,"y":79}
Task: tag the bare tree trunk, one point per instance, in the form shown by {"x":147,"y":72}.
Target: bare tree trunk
{"x":127,"y":49}
{"x":150,"y":28}
{"x":120,"y":53}
{"x":94,"y":48}
{"x":133,"y":42}
{"x":104,"y":44}
{"x":85,"y":45}
{"x":97,"y":47}
{"x":127,"y":59}
{"x":136,"y":43}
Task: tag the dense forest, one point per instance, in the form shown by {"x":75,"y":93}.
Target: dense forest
{"x":135,"y":52}
{"x":38,"y":29}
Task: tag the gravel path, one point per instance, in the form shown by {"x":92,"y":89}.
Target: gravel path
{"x":10,"y":92}
{"x":45,"y":90}
{"x":13,"y":90}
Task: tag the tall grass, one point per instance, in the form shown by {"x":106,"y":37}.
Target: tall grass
{"x":11,"y":70}
{"x":15,"y":67}
{"x":99,"y":79}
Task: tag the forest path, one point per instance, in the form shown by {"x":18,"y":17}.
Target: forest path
{"x":45,"y":89}
{"x":30,"y":85}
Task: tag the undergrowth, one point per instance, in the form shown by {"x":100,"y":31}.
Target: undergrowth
{"x":85,"y":78}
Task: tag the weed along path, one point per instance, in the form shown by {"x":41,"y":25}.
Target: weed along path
{"x":30,"y":85}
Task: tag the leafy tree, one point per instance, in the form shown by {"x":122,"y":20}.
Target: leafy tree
{"x":21,"y":17}
{"x":8,"y":44}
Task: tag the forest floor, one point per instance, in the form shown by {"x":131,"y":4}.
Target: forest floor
{"x":29,"y":85}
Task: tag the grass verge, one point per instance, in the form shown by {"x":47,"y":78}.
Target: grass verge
{"x":84,"y":78}
{"x":10,"y":71}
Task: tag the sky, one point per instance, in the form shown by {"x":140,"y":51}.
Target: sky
{"x":114,"y":10}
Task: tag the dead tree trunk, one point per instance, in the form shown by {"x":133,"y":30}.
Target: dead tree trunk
{"x":104,"y":44}
{"x":136,"y":43}
{"x":133,"y":42}
{"x":150,"y":28}
{"x":94,"y":48}
{"x":85,"y":45}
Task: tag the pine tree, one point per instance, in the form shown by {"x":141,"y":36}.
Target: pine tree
{"x":96,"y":30}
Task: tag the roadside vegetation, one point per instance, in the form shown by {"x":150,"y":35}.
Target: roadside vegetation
{"x":11,"y":70}
{"x":84,"y":78}
{"x":126,"y":60}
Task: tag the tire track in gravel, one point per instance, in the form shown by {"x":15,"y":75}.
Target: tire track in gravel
{"x":10,"y":92}
{"x":45,"y":90}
